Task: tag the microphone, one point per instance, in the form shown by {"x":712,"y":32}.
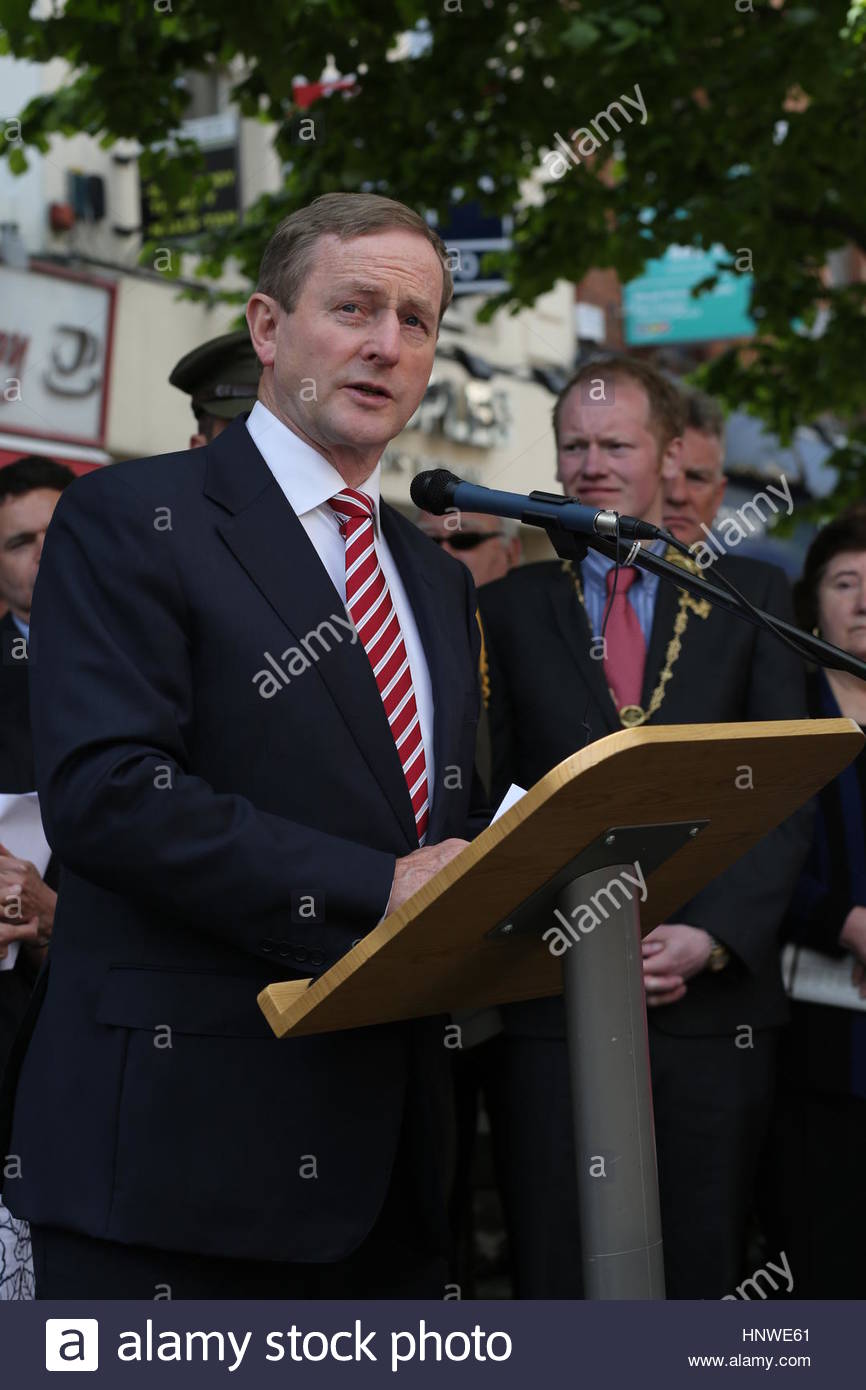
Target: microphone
{"x":439,"y":491}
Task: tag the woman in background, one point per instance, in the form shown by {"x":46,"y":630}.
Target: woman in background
{"x":819,"y":1160}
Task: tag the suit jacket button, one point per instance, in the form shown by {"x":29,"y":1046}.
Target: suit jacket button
{"x":300,"y":954}
{"x":267,"y":944}
{"x":283,"y":951}
{"x":317,"y":957}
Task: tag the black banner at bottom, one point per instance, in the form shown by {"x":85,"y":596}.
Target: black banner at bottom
{"x":418,"y":1345}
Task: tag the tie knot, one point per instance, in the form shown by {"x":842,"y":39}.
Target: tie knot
{"x":352,"y":505}
{"x":627,"y":576}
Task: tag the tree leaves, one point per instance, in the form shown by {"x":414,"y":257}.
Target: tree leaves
{"x":581,"y":35}
{"x":751,"y":139}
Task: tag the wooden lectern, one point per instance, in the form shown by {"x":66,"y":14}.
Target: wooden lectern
{"x":511,"y":918}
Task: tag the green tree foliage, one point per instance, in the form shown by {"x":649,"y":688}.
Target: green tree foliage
{"x":754,"y":112}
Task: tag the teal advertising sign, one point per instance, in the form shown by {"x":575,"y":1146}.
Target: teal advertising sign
{"x":658,"y":306}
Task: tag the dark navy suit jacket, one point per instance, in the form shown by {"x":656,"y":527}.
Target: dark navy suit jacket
{"x":199,"y":827}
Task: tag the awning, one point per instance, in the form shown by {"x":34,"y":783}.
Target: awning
{"x":79,"y":458}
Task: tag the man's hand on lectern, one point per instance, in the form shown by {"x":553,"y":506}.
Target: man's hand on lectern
{"x":413,"y":870}
{"x":672,"y":954}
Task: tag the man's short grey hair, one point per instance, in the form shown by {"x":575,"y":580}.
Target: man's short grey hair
{"x":703,"y":413}
{"x":288,"y":255}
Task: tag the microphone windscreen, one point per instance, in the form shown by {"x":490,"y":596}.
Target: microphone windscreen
{"x":431,"y":490}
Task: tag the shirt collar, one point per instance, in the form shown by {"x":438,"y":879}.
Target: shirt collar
{"x":304,"y":475}
{"x":597,"y":565}
{"x":23,"y":628}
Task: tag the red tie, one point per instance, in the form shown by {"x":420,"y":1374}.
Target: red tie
{"x":625,"y":647}
{"x":375,"y":617}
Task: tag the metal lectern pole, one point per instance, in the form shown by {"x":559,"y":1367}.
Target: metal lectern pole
{"x":610,"y":1081}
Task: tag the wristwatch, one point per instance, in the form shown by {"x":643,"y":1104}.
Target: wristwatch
{"x":719,"y":956}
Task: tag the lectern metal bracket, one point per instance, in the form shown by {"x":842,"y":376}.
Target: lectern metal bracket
{"x":647,"y":845}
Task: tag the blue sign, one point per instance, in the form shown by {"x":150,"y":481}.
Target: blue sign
{"x":468,"y":234}
{"x":658,"y":306}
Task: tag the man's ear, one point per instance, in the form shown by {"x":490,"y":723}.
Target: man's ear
{"x":262,"y":314}
{"x":672,"y":458}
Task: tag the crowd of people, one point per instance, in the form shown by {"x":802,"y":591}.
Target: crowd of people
{"x":186,"y":816}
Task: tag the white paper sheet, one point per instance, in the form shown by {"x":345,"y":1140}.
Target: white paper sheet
{"x":22,"y":834}
{"x":819,"y":979}
{"x":511,"y":797}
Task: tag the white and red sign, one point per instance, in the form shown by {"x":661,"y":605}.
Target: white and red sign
{"x":55,"y":354}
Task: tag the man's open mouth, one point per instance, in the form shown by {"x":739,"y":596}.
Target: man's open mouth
{"x":369,"y":389}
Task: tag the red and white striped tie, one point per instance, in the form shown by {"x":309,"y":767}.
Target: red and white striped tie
{"x":375,"y":617}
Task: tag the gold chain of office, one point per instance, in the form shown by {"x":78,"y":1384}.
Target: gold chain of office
{"x":631,"y":716}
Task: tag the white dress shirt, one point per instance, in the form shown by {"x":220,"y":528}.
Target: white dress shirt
{"x":308,"y":481}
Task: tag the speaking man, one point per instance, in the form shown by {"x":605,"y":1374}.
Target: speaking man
{"x":711,"y":975}
{"x":254,"y":704}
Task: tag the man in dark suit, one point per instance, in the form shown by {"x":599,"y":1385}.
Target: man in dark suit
{"x":30,"y":489}
{"x":241,"y":773}
{"x":714,"y":994}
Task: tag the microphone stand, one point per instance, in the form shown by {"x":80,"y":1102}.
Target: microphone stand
{"x":572,"y":545}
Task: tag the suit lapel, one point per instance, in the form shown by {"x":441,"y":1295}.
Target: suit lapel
{"x":445,"y":680}
{"x":572,"y":621}
{"x":269,"y":542}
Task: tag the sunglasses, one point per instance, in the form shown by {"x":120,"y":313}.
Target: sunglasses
{"x":465,"y":540}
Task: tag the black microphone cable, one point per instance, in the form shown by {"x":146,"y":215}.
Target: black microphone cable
{"x":764,"y":620}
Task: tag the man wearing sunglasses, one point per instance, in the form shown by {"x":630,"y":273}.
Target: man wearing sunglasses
{"x":489,"y":546}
